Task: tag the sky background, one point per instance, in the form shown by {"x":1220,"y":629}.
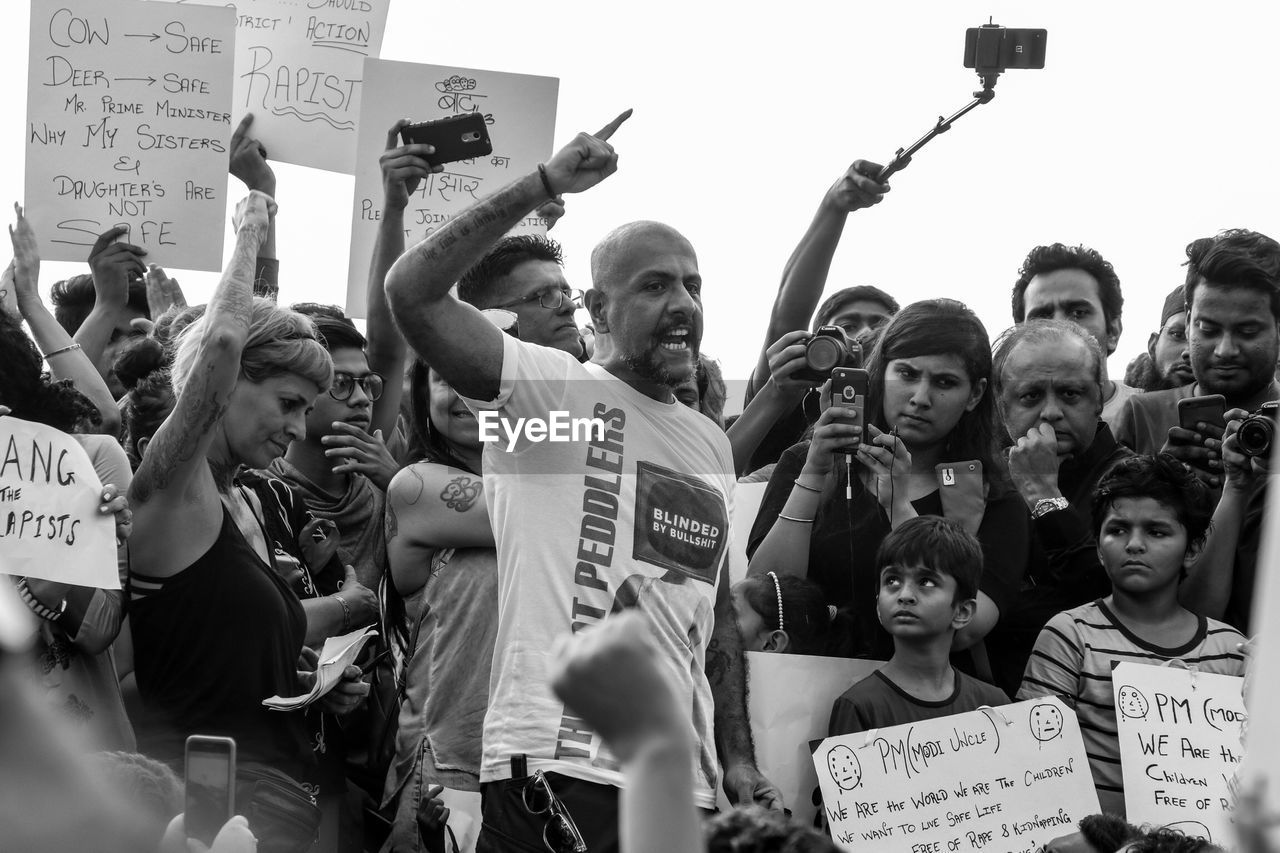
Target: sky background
{"x":1149,"y":127}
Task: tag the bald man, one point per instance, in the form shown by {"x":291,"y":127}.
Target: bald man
{"x":605,"y":494}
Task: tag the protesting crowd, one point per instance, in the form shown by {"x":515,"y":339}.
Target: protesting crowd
{"x":559,"y":624}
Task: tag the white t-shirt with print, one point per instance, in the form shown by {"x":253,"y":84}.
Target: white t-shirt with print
{"x":636,"y":517}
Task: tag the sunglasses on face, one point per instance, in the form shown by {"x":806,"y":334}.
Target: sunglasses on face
{"x":345,"y":383}
{"x":559,"y":834}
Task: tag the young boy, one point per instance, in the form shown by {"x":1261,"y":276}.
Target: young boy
{"x":929,"y":572}
{"x":1150,"y":515}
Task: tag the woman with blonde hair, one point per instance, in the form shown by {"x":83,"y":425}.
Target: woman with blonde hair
{"x":216,"y":628}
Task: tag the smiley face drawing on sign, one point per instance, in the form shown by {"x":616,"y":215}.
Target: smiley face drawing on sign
{"x":844,"y":767}
{"x":1046,"y":722}
{"x":1132,"y":704}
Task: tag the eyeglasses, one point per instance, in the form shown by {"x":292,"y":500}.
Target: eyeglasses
{"x":345,"y":383}
{"x":551,"y":298}
{"x":559,"y":834}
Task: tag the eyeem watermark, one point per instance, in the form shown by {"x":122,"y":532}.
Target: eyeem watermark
{"x":558,"y":426}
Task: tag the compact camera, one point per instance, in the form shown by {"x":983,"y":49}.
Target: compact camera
{"x":828,"y":349}
{"x":1257,"y":430}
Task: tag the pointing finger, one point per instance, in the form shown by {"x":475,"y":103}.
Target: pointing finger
{"x":241,"y":129}
{"x":612,"y":127}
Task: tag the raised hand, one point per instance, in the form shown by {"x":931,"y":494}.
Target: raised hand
{"x":249,"y":159}
{"x":786,"y":356}
{"x":253,"y":215}
{"x":586,"y":161}
{"x":551,"y":211}
{"x":857,"y":187}
{"x":403,"y":167}
{"x":163,"y":292}
{"x":26,"y":256}
{"x":9,"y":293}
{"x":113,"y":265}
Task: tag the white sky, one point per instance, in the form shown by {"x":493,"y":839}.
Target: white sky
{"x":1149,"y":126}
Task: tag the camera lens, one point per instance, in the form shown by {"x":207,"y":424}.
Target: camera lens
{"x":824,"y":354}
{"x":1254,"y":437}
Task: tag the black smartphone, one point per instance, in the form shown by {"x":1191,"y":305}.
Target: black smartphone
{"x":211,"y":786}
{"x":454,"y":138}
{"x":849,"y":387}
{"x":1210,"y":409}
{"x":991,"y":47}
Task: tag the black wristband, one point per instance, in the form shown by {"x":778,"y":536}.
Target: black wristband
{"x":546,"y":182}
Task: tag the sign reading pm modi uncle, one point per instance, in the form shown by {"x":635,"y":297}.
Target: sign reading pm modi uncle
{"x":50,"y":527}
{"x":996,"y":780}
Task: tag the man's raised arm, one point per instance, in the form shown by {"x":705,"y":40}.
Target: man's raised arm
{"x":453,"y":337}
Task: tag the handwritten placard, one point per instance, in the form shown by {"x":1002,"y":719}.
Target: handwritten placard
{"x":299,"y":68}
{"x":128,"y":123}
{"x":520,"y":111}
{"x":1004,"y":780}
{"x":1180,"y":744}
{"x":50,"y":527}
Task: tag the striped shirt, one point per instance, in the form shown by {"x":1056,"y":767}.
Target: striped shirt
{"x":1074,"y":656}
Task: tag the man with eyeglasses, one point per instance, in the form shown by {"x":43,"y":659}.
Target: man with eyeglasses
{"x":525,"y":275}
{"x":631,"y":516}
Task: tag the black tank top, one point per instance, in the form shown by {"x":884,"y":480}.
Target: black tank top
{"x":210,"y":643}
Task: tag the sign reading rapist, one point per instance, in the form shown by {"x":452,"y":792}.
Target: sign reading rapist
{"x":998,"y":780}
{"x":50,"y":527}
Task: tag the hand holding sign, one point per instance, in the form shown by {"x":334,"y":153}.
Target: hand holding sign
{"x":249,"y":159}
{"x":585,"y":161}
{"x":114,"y":265}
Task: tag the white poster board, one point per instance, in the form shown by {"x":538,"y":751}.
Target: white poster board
{"x":50,"y":527}
{"x":789,"y":700}
{"x":1180,"y":744}
{"x":299,"y":68}
{"x":128,"y":122}
{"x":520,"y":111}
{"x":1003,"y":780}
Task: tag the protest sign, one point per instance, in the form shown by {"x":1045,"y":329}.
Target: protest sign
{"x":50,"y":527}
{"x":789,"y":700}
{"x":519,"y":110}
{"x":1003,"y":780}
{"x":299,"y":69}
{"x":1180,"y":743}
{"x":128,"y":123}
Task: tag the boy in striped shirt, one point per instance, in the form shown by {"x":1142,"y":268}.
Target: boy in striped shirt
{"x":1151,"y":516}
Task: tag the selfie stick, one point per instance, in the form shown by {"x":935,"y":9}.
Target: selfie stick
{"x":903,"y":158}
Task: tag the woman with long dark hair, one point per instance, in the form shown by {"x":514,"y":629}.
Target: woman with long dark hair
{"x":930,"y":428}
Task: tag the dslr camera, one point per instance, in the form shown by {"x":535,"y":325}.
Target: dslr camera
{"x":828,"y":349}
{"x":1257,"y":430}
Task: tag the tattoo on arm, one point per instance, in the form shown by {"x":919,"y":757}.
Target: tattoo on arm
{"x":392,"y":526}
{"x":461,"y":493}
{"x":727,"y":673}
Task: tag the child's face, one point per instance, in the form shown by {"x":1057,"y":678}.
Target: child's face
{"x":917,"y":601}
{"x":1142,"y":545}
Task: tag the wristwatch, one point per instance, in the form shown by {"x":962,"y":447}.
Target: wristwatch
{"x":1044,"y":506}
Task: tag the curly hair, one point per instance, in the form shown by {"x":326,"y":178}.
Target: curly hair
{"x":1046,"y":259}
{"x":279,"y":341}
{"x":143,"y":370}
{"x":1163,"y":479}
{"x":32,"y":394}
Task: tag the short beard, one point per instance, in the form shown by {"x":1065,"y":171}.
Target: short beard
{"x":647,"y":366}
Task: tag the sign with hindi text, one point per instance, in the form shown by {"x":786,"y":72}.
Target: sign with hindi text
{"x":50,"y":527}
{"x":1180,"y":743}
{"x":128,"y":123}
{"x":998,"y":780}
{"x":299,"y":68}
{"x":520,"y":111}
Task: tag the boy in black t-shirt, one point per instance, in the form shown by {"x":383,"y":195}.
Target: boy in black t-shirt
{"x":929,"y":570}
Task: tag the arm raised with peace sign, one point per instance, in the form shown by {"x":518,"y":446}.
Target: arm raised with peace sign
{"x":455,"y":338}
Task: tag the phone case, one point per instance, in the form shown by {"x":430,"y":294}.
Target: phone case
{"x":850,"y":386}
{"x":1208,"y":409}
{"x":963,"y":493}
{"x":455,"y":138}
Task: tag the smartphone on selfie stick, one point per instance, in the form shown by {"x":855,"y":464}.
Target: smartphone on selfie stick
{"x":211,"y":786}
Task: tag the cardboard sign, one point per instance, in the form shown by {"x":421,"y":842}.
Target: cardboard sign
{"x":299,"y":69}
{"x":128,"y":123}
{"x":1180,"y":744}
{"x":789,"y":700}
{"x":1001,"y":780}
{"x":50,"y":527}
{"x":519,"y":110}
